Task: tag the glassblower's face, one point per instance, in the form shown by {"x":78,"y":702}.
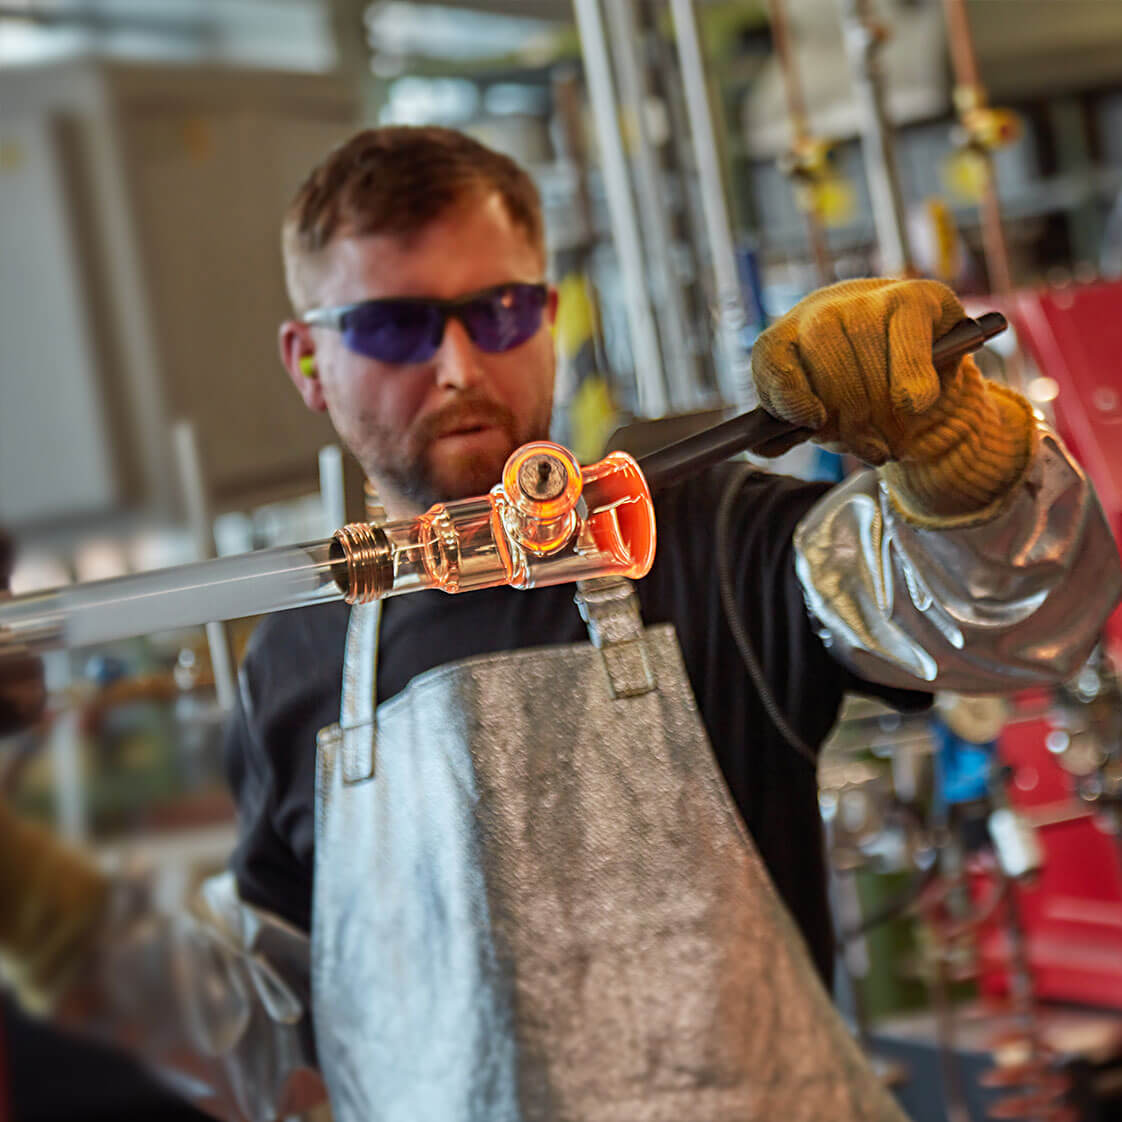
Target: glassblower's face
{"x":441,"y":429}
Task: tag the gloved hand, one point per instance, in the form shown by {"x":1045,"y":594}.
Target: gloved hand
{"x":53,"y":900}
{"x":853,"y":362}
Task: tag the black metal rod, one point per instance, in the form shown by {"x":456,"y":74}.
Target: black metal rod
{"x":757,"y":431}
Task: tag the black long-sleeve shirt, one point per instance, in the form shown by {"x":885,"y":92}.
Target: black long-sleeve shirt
{"x":293,"y":670}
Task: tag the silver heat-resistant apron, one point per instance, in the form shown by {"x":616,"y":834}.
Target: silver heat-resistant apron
{"x":535,"y":900}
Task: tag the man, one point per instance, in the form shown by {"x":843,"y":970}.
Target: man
{"x":529,"y":893}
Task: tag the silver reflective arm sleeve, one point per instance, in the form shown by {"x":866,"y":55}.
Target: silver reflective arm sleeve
{"x":215,"y":1001}
{"x":1014,"y":601}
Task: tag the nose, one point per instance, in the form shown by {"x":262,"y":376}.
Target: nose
{"x":457,"y":361}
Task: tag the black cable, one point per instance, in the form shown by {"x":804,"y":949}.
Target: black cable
{"x":897,"y":906}
{"x":736,"y":625}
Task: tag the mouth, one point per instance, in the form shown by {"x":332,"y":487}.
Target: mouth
{"x":467,"y":428}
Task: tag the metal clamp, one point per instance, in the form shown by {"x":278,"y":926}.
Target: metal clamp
{"x":610,"y":608}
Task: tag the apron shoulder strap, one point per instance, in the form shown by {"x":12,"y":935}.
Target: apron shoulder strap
{"x":609,"y":607}
{"x":360,"y":678}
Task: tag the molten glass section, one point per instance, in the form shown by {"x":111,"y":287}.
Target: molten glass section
{"x":548,"y":522}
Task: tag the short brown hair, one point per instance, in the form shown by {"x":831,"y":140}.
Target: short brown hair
{"x":397,"y":179}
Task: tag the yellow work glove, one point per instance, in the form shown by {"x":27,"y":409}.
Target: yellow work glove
{"x":853,"y":363}
{"x":52,"y":900}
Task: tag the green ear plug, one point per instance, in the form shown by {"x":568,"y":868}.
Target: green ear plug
{"x":307,"y":365}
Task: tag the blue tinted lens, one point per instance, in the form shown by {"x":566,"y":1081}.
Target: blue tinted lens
{"x":504,"y":318}
{"x":400,"y":331}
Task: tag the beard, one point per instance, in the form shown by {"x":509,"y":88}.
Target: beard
{"x":408,"y":465}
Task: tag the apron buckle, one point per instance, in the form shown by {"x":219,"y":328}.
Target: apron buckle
{"x":610,"y":608}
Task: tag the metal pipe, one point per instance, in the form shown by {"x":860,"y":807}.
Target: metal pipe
{"x":65,"y":752}
{"x":576,"y":258}
{"x":863,"y":41}
{"x":565,"y":84}
{"x":332,"y":487}
{"x":681,"y":367}
{"x":201,"y":522}
{"x":800,"y":127}
{"x":963,"y":58}
{"x":971,"y":94}
{"x":731,"y":319}
{"x":649,"y":375}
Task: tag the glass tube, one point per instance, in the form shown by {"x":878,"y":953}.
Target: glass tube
{"x":549,"y":522}
{"x":183,"y":596}
{"x":592,"y":522}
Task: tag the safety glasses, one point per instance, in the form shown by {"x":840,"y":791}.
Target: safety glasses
{"x":410,"y":330}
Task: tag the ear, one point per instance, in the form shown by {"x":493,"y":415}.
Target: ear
{"x":298,"y":353}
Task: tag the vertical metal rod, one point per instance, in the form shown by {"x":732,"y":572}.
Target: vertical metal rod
{"x":969,"y":89}
{"x":202,"y":530}
{"x":964,"y":60}
{"x":649,"y":378}
{"x":863,"y":44}
{"x":64,"y":749}
{"x":950,"y":858}
{"x":576,"y":258}
{"x":993,"y":238}
{"x":347,"y":21}
{"x":570,"y":118}
{"x":665,"y":77}
{"x":954,"y":1096}
{"x":800,"y":127}
{"x":332,"y":493}
{"x":1022,"y":994}
{"x":714,"y":204}
{"x":681,"y":367}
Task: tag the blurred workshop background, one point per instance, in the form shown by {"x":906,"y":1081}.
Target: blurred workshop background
{"x":704,"y":164}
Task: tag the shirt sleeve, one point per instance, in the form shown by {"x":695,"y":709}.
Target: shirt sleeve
{"x":805,"y":680}
{"x":287,"y":689}
{"x":773,"y":784}
{"x":261,"y":855}
{"x":1014,"y":601}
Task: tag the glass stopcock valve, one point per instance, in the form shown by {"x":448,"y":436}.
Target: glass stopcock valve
{"x":541,"y":488}
{"x":548,"y":522}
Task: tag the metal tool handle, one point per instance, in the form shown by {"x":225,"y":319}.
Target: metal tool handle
{"x":760,"y":432}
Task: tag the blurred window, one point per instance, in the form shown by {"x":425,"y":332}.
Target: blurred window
{"x":426,"y":101}
{"x":398,"y":29}
{"x":282,"y":34}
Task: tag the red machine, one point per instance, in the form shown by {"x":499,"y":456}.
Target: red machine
{"x":1075,"y":336}
{"x":1073,"y":914}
